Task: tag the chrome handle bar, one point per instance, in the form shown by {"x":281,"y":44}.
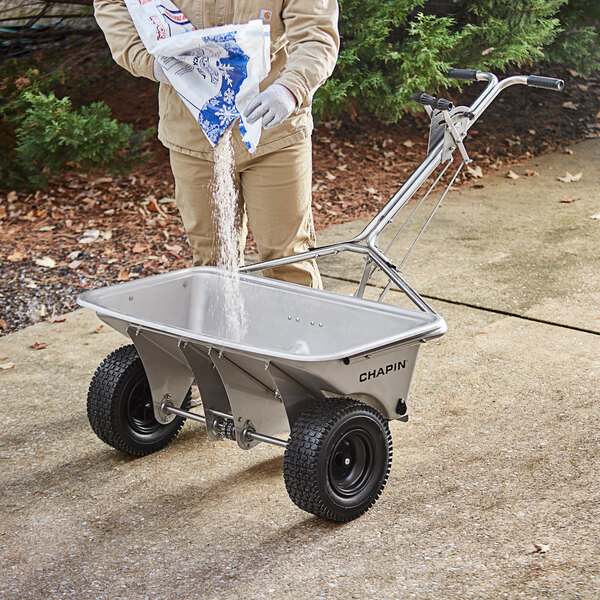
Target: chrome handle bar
{"x":367,"y":241}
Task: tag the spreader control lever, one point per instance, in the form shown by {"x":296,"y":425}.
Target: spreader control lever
{"x":435,"y":103}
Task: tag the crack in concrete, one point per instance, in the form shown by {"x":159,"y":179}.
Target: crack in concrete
{"x":496,"y":311}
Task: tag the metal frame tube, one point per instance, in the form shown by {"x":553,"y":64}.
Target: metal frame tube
{"x":367,"y":241}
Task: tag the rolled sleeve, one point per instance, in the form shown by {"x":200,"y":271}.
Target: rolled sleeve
{"x":311,"y":27}
{"x":122,"y":38}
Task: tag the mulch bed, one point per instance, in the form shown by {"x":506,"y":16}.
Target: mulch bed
{"x":87,"y":231}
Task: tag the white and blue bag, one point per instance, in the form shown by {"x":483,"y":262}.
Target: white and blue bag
{"x":215,"y":71}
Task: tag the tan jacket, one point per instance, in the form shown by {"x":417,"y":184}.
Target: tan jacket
{"x":304,"y":47}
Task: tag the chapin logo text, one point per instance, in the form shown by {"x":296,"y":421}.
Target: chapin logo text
{"x":382,"y":371}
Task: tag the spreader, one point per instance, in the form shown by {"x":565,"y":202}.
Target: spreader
{"x":330,"y":369}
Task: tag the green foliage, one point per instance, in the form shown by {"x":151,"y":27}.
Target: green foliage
{"x":43,"y":135}
{"x":391,"y":49}
{"x":578,"y":43}
{"x":13,"y":87}
{"x":52,"y":136}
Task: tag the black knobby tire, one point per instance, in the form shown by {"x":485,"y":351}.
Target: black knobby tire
{"x":119,"y":406}
{"x":338,"y":458}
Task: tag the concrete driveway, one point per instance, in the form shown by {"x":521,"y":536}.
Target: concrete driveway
{"x":501,"y":451}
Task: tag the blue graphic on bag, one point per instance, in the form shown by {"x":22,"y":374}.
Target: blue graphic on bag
{"x":222,"y":59}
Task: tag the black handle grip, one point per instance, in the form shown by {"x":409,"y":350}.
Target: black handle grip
{"x":466,"y":74}
{"x":548,"y":83}
{"x":435,"y":103}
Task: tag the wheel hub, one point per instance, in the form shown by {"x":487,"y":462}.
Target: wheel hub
{"x":351,"y":463}
{"x":140,"y":411}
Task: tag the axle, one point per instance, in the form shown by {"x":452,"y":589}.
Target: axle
{"x":224,"y":427}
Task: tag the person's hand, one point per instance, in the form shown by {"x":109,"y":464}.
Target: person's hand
{"x":159,"y":73}
{"x":274,"y":105}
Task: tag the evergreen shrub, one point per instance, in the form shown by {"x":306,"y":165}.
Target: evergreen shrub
{"x":44,"y":135}
{"x":393,"y":48}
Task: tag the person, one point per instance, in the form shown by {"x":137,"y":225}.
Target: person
{"x":274,"y":185}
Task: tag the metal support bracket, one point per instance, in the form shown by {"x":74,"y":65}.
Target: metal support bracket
{"x":255,"y":401}
{"x":167,"y":370}
{"x":212,"y":391}
{"x":457,"y":121}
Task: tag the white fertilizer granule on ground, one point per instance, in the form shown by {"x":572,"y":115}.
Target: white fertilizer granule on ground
{"x":225,"y":203}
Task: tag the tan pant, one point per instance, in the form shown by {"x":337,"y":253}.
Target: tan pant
{"x":274,"y":193}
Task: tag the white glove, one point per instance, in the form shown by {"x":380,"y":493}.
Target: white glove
{"x":159,"y":73}
{"x":274,"y":105}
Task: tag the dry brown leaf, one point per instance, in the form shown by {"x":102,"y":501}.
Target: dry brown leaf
{"x":152,"y":265}
{"x":342,"y":167}
{"x":569,"y":178}
{"x":568,"y":150}
{"x":16,"y":256}
{"x":512,"y":175}
{"x":123,"y":275}
{"x":39,"y":345}
{"x":3,"y":358}
{"x":3,"y":325}
{"x":541,"y":548}
{"x":531,"y":173}
{"x":75,"y":264}
{"x":46,"y":261}
{"x":102,"y":180}
{"x":408,"y":143}
{"x":57,"y":319}
{"x":570,"y":105}
{"x":475,"y":171}
{"x":139,"y":247}
{"x":89,"y":236}
{"x":330,"y":176}
{"x":6,"y":366}
{"x":567,"y":200}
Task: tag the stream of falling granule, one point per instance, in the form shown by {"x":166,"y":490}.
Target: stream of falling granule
{"x":225,"y":202}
